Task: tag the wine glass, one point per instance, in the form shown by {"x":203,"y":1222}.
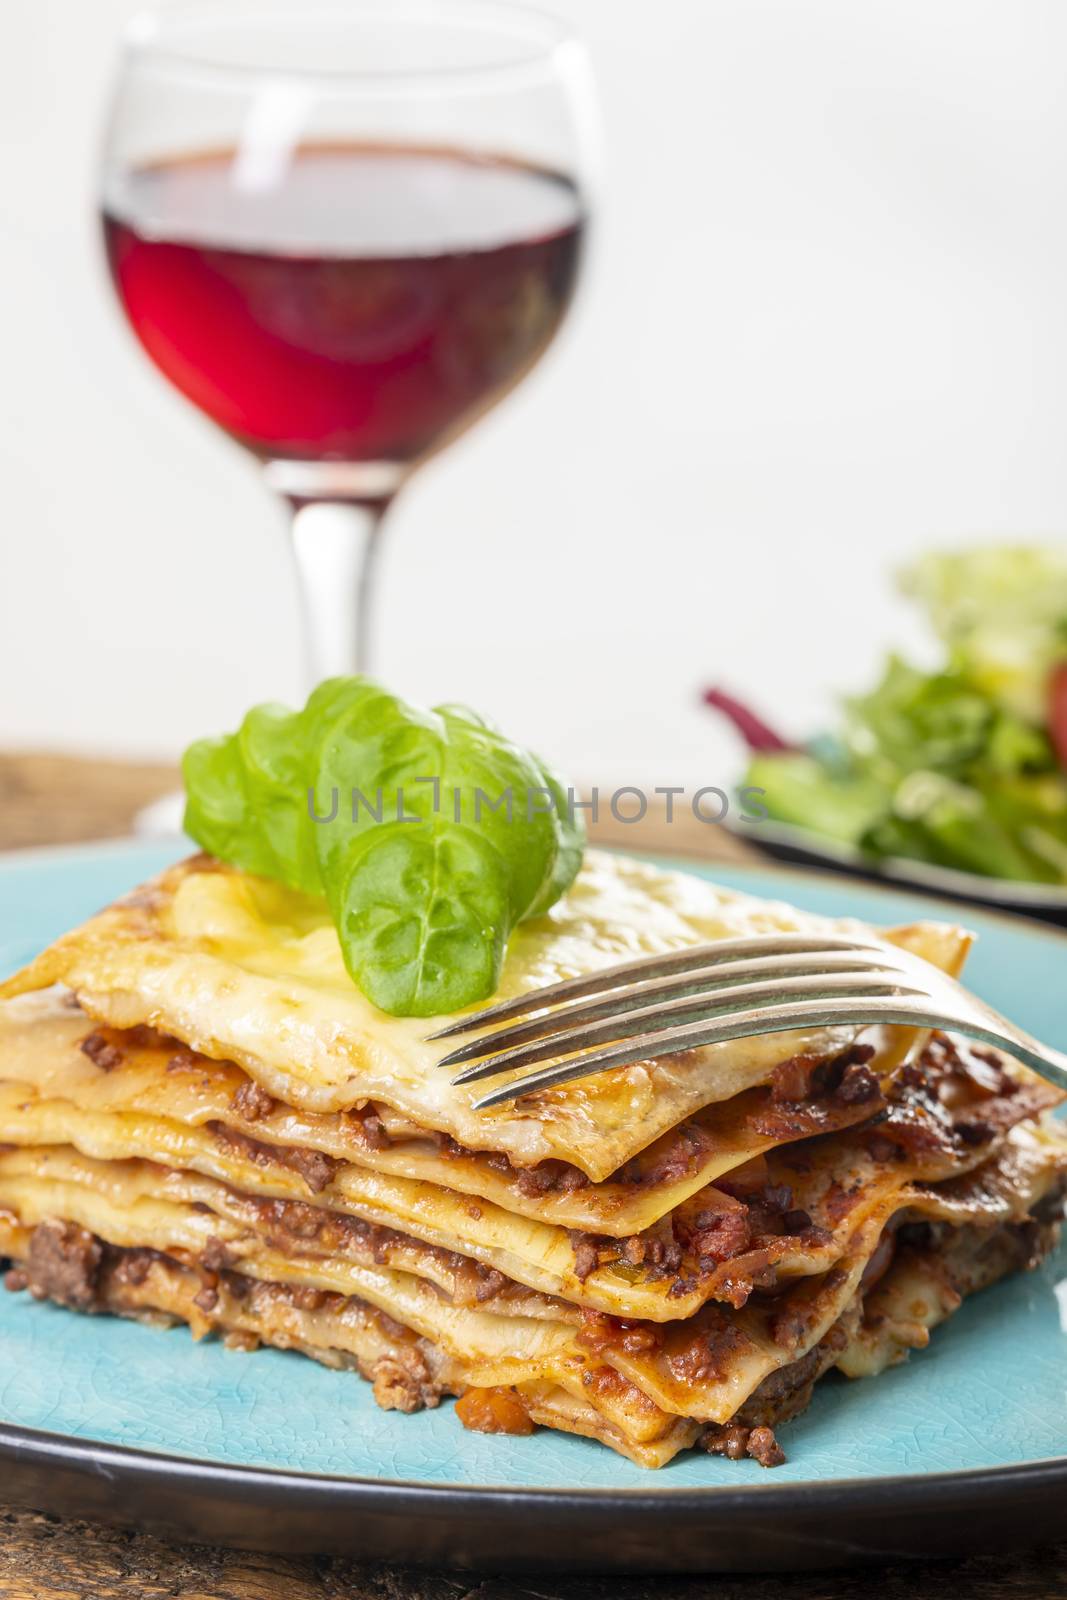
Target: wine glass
{"x":344,"y":229}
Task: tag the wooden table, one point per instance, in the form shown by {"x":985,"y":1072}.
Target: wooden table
{"x":48,"y":799}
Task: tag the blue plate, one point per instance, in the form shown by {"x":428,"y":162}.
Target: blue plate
{"x":964,"y":1443}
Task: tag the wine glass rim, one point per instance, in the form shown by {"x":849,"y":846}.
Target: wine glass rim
{"x":155,"y":32}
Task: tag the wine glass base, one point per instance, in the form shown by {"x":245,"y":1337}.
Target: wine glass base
{"x":359,"y":482}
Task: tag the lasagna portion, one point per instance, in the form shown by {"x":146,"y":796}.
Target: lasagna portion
{"x":203,"y":1121}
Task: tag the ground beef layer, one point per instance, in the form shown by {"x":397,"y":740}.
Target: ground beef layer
{"x":923,"y":1279}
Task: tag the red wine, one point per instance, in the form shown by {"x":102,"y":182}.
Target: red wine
{"x":357,"y":305}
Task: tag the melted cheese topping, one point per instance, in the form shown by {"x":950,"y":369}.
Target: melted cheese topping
{"x":244,"y":970}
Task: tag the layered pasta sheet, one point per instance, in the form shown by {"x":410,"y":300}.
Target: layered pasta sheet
{"x":201,"y":1120}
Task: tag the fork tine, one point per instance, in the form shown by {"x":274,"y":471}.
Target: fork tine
{"x":698,"y":982}
{"x":657,"y":1022}
{"x":918,"y":1011}
{"x":655,"y":966}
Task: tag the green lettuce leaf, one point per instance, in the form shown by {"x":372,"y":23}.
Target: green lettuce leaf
{"x":955,"y":766}
{"x":813,"y":793}
{"x":1002,"y":612}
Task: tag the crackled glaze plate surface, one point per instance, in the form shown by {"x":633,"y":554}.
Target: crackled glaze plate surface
{"x":964,"y":1443}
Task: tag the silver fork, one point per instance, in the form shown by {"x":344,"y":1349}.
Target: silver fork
{"x":706,"y":994}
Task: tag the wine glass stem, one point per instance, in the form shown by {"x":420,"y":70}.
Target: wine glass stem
{"x":335,"y":545}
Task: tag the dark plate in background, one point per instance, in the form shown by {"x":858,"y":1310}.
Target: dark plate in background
{"x":782,"y":841}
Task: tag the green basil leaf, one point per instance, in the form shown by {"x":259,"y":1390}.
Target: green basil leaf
{"x":217,"y":812}
{"x":272,"y":746}
{"x":423,"y":915}
{"x":429,"y":832}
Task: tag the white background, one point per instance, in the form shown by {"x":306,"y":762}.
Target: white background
{"x":825,"y":328}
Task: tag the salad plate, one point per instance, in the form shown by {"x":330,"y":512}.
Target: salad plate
{"x":947,"y":775}
{"x":962,"y":1447}
{"x":803,"y":847}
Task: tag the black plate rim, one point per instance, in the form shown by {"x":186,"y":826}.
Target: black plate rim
{"x":18,"y":1443}
{"x":748,"y":1527}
